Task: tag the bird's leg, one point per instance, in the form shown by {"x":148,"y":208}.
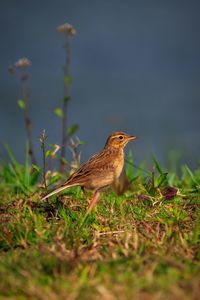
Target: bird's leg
{"x":93,"y":201}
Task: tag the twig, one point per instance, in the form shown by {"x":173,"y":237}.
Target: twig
{"x":110,"y":232}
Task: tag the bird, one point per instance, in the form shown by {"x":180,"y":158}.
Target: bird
{"x":100,"y":171}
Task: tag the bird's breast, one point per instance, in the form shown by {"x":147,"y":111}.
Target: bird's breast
{"x":118,"y":164}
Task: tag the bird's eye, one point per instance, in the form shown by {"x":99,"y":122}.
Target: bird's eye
{"x":121,"y":137}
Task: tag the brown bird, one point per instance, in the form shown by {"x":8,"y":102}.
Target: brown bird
{"x":101,"y":170}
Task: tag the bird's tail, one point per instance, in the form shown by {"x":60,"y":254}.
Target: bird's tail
{"x":58,"y":190}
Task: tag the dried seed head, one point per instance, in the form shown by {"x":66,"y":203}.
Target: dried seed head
{"x":23,"y":63}
{"x":68,"y":28}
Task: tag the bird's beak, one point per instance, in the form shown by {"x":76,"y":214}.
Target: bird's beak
{"x":132,"y":137}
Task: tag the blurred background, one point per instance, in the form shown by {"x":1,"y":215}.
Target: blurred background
{"x":135,"y":67}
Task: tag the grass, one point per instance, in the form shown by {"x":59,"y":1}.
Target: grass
{"x":144,"y":244}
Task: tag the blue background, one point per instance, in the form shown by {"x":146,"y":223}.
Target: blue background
{"x":135,"y":67}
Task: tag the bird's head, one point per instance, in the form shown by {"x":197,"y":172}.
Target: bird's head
{"x":119,"y":140}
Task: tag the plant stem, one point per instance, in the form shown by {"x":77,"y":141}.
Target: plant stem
{"x":28,"y":123}
{"x":65,"y":102}
{"x":43,"y":146}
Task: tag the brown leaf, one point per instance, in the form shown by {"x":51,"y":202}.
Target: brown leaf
{"x":169,"y":192}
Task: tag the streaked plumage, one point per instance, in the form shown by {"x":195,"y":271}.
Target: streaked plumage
{"x":100,"y":170}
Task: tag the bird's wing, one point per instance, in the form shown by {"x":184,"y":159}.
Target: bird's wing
{"x":96,"y":165}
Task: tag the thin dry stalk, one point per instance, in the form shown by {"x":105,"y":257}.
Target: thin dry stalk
{"x":76,"y":154}
{"x":65,"y":102}
{"x":69,"y":32}
{"x":43,"y":138}
{"x":22,"y":64}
